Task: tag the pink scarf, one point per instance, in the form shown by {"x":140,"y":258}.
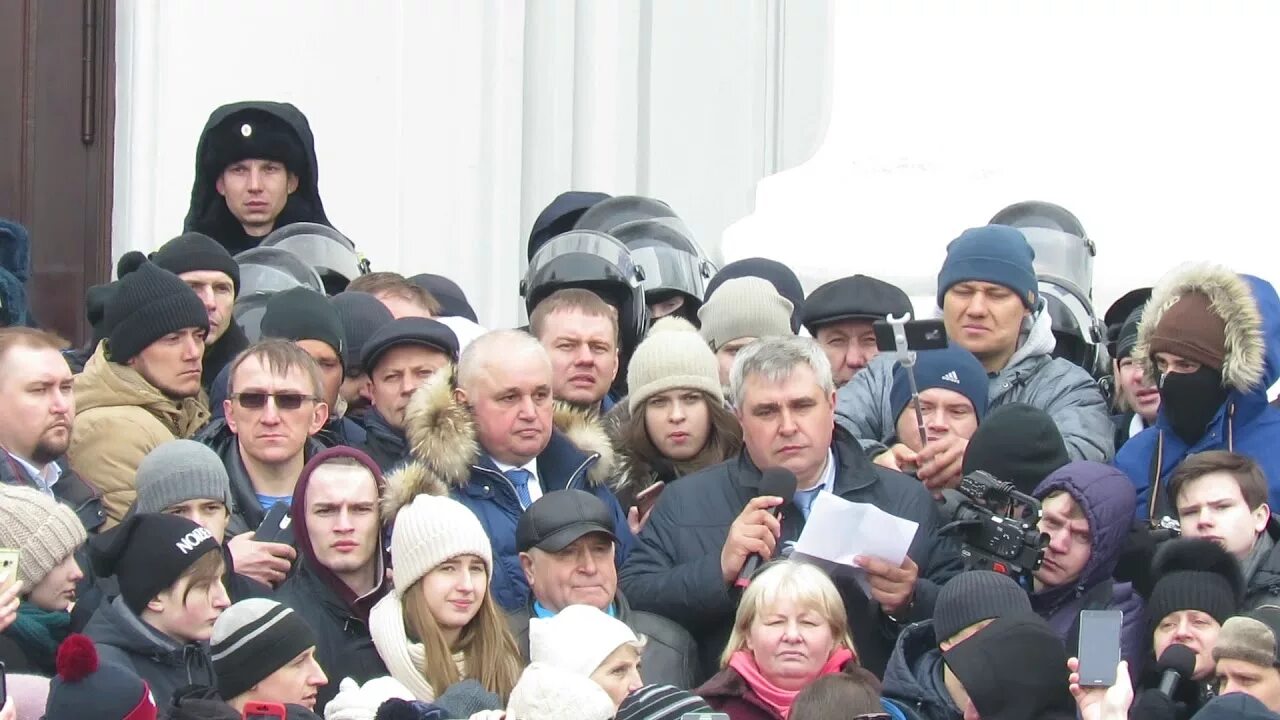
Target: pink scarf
{"x":772,"y":695}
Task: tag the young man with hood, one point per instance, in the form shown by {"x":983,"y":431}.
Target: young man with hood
{"x":991,"y":306}
{"x":256,"y":171}
{"x":1210,"y":339}
{"x":917,"y":681}
{"x":142,"y":386}
{"x":1086,"y":510}
{"x":491,"y":438}
{"x":342,"y":570}
{"x":169,"y":570}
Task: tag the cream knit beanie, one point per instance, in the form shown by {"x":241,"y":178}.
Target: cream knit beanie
{"x":578,"y":638}
{"x":431,"y":530}
{"x":43,"y":530}
{"x":550,"y":693}
{"x":744,"y":307}
{"x":672,"y":355}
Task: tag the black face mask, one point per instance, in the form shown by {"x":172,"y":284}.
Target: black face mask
{"x":1190,"y":400}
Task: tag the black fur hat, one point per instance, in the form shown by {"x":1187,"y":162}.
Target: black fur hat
{"x":253,"y":134}
{"x":1193,"y":574}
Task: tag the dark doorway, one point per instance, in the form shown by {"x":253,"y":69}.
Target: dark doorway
{"x":57,"y":73}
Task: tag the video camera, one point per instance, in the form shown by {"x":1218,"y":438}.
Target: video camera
{"x":996,"y":525}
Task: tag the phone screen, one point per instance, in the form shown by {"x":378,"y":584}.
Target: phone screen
{"x":921,"y":335}
{"x":8,"y":567}
{"x":1099,"y":647}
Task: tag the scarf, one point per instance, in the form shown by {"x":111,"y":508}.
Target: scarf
{"x":775,"y":697}
{"x":39,"y":632}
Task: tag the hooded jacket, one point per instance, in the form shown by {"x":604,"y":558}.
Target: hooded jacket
{"x":914,"y":677}
{"x":1107,"y":503}
{"x":1245,"y":423}
{"x":339,"y":618}
{"x":166,"y":664}
{"x":120,"y":417}
{"x":1032,"y":376}
{"x":208,"y":212}
{"x":444,"y":449}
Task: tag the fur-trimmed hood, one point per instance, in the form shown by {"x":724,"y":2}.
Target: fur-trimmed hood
{"x":443,"y":447}
{"x":1230,"y":296}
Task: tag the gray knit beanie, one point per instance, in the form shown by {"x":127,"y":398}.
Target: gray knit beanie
{"x":744,"y":307}
{"x":672,"y":355}
{"x":178,"y":471}
{"x":974,"y":596}
{"x":43,"y":530}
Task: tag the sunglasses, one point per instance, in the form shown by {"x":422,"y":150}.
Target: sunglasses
{"x":283,"y":401}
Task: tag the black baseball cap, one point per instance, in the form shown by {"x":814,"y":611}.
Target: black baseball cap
{"x":558,"y":518}
{"x":409,"y":331}
{"x":857,"y":297}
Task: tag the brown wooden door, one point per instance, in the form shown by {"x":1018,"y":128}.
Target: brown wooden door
{"x":57,"y":121}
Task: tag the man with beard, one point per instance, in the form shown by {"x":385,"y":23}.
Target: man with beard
{"x":36,"y":411}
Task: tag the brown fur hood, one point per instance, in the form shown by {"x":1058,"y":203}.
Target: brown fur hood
{"x":441,"y":434}
{"x":1231,"y":298}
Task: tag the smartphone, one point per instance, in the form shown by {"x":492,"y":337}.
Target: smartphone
{"x":921,"y":335}
{"x":1099,"y":650}
{"x":649,"y":497}
{"x":263,"y":711}
{"x":8,"y":566}
{"x":276,"y":527}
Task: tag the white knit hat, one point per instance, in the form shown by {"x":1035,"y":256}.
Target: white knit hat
{"x":43,"y":530}
{"x":549,"y":693}
{"x":431,"y":530}
{"x":578,"y":638}
{"x":744,"y":307}
{"x":672,"y":355}
{"x":356,"y":702}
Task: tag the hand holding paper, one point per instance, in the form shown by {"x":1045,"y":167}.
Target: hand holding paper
{"x":839,"y":531}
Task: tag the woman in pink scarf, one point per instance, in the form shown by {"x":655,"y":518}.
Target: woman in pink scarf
{"x":790,"y":629}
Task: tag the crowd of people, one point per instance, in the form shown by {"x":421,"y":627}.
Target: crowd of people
{"x":276,"y":483}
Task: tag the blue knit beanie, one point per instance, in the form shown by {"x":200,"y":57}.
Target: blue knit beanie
{"x":996,"y":254}
{"x":952,"y":368}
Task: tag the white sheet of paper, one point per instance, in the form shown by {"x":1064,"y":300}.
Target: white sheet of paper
{"x":838,"y":530}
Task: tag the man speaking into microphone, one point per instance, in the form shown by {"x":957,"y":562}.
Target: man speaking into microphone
{"x":706,"y":526}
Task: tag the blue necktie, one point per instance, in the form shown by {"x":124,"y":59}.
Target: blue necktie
{"x":519,"y":477}
{"x":804,"y":499}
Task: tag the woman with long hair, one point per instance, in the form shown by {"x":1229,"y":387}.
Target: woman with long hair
{"x":440,"y":625}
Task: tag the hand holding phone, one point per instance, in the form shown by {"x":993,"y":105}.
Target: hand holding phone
{"x":649,"y":497}
{"x":1099,"y":650}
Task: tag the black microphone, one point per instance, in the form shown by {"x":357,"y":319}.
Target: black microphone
{"x":775,"y":482}
{"x":1176,"y":663}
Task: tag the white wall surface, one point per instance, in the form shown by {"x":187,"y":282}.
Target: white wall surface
{"x":444,"y":127}
{"x":1157,"y":124}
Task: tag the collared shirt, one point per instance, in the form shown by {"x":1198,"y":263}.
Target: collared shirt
{"x":535,"y":485}
{"x":46,"y":478}
{"x":803,"y":499}
{"x":1136,"y":425}
{"x":541,"y":612}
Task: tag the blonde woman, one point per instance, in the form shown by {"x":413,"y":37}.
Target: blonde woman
{"x":790,"y":630}
{"x":440,"y":625}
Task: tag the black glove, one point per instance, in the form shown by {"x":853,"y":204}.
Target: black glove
{"x":1155,"y":705}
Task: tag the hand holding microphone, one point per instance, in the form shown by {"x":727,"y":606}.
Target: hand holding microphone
{"x":753,"y":537}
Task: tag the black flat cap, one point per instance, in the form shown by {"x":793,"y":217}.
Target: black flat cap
{"x":857,"y":297}
{"x":409,"y":331}
{"x":558,"y":518}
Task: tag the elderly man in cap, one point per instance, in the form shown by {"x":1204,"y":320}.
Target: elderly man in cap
{"x":567,"y":546}
{"x":399,"y":359}
{"x":839,"y":315}
{"x":142,"y":387}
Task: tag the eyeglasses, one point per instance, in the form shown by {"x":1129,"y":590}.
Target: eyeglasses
{"x":284,"y":401}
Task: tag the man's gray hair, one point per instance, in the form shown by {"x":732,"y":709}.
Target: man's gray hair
{"x":776,"y":358}
{"x":496,"y":346}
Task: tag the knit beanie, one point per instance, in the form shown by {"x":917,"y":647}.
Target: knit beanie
{"x":1193,"y":574}
{"x":545,"y":692}
{"x":974,"y":596}
{"x":195,"y":251}
{"x":303,"y":314}
{"x":466,"y":698}
{"x":1017,"y":443}
{"x":1191,"y":329}
{"x":178,"y":471}
{"x":1013,"y":669}
{"x":1235,"y":706}
{"x":148,"y":553}
{"x":952,"y":368}
{"x":43,"y":530}
{"x":1253,"y":637}
{"x":1128,"y":335}
{"x":361,"y":315}
{"x":453,"y":301}
{"x":996,"y":254}
{"x":660,"y":702}
{"x":671,"y":356}
{"x":744,"y":307}
{"x":254,"y":638}
{"x":578,"y":638}
{"x":148,"y":304}
{"x":782,"y":278}
{"x":88,"y":688}
{"x":361,"y":702}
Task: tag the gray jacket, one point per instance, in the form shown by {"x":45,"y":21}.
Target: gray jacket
{"x":1062,"y":389}
{"x":1262,"y":568}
